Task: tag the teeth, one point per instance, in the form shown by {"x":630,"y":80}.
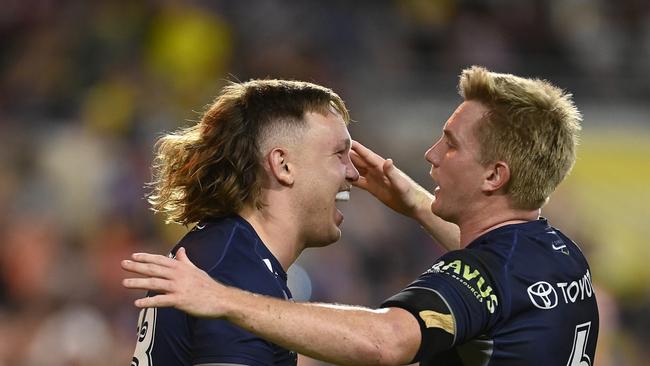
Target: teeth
{"x":343,"y":196}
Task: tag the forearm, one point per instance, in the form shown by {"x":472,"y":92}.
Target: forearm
{"x":333,"y":333}
{"x":444,"y":232}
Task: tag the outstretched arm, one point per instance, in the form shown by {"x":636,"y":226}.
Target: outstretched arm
{"x":398,"y":191}
{"x":337,"y":334}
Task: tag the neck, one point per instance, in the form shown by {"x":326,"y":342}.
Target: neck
{"x":276,"y":232}
{"x":477,"y":225}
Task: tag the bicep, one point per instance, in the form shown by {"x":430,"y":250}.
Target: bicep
{"x":461,"y":289}
{"x":432,"y":318}
{"x":403,"y":334}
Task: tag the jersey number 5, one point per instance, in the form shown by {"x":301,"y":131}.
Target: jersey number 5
{"x":578,"y":356}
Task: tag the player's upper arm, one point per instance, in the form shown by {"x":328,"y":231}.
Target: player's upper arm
{"x":454,"y":301}
{"x":401,"y":336}
{"x":430,"y":316}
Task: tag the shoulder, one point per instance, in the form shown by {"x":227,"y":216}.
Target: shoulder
{"x":211,"y":242}
{"x":474,"y":274}
{"x":531,"y":249}
{"x":467,"y":261}
{"x":464,"y":280}
{"x":230,"y":251}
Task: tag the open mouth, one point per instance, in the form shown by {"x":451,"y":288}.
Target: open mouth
{"x":343,"y":196}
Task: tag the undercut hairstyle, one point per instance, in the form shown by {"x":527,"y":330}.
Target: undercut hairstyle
{"x":214,"y":168}
{"x":531,"y":125}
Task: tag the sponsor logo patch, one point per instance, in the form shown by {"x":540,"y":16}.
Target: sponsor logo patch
{"x":471,"y":278}
{"x":544,"y":295}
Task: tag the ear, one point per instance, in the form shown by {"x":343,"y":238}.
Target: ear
{"x":279,"y":166}
{"x":496,"y":177}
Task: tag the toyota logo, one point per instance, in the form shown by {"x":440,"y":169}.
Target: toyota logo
{"x":542,"y":295}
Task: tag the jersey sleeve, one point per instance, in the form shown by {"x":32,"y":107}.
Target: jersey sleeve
{"x":217,"y":341}
{"x":454,"y":301}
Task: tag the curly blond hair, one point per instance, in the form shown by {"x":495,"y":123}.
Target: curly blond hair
{"x":531,"y":125}
{"x":213,"y":169}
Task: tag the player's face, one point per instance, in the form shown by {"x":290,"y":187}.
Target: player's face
{"x":323,"y":170}
{"x":455,"y":167}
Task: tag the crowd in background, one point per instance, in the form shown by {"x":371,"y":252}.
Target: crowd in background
{"x":86,"y":87}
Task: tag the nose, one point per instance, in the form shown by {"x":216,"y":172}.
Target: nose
{"x":431,"y":156}
{"x":351,"y":172}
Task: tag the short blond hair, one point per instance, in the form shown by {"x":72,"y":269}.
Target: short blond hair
{"x":531,"y":124}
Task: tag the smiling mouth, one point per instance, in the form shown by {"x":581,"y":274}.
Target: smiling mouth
{"x":343,"y":196}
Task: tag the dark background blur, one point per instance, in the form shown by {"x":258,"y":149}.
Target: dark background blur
{"x":87,"y":87}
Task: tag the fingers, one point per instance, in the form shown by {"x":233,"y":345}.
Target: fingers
{"x":154,"y":259}
{"x":389,"y":170}
{"x":181,"y":255}
{"x":158,"y":301}
{"x":359,"y":163}
{"x":393,"y":173}
{"x":366,"y":154}
{"x":146,"y":269}
{"x":398,"y":180}
{"x":361,"y":150}
{"x":151,"y":284}
{"x":362,"y":183}
{"x":388,"y":165}
{"x":158,"y":271}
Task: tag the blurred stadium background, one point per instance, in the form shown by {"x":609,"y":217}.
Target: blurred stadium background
{"x":87,"y":86}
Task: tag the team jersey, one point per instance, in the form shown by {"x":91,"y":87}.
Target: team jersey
{"x":230,"y":251}
{"x":519,"y":295}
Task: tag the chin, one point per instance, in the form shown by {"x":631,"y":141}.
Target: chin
{"x":435,"y":208}
{"x":438,"y":211}
{"x":323,"y":240}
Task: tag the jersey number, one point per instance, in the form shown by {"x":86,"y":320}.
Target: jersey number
{"x":146,"y":330}
{"x":578,"y":356}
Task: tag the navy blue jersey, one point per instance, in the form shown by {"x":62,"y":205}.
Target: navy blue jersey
{"x":230,"y":251}
{"x":519,"y":295}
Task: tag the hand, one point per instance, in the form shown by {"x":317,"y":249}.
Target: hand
{"x":390,"y":185}
{"x":179,"y":282}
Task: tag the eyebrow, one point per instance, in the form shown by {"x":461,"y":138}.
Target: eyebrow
{"x":450,"y":136}
{"x":345,"y":142}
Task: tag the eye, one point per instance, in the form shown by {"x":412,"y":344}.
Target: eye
{"x":449,"y":143}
